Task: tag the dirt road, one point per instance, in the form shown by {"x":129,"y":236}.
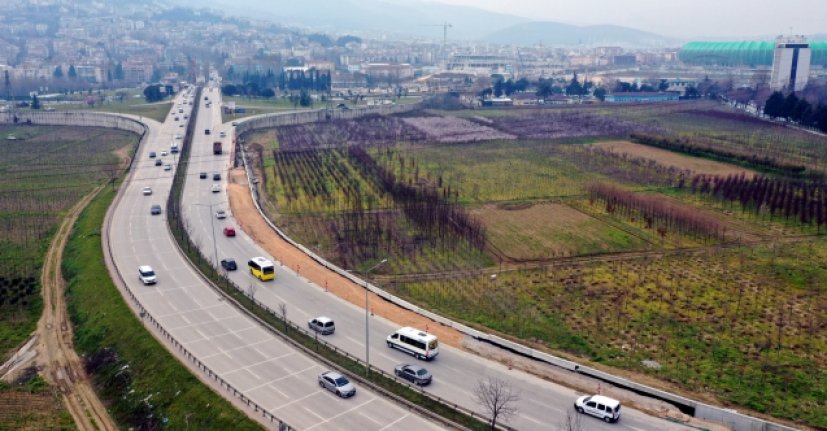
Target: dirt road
{"x":57,"y":359}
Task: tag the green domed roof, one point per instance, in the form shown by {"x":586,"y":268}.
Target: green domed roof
{"x":748,"y":53}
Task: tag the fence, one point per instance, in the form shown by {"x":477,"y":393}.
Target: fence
{"x":732,"y":418}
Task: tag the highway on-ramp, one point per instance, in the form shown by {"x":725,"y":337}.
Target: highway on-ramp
{"x":260,"y":365}
{"x":542,"y":405}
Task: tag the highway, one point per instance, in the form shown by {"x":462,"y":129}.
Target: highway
{"x":259,"y":364}
{"x":542,"y":405}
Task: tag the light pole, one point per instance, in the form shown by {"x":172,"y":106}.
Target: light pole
{"x":212,"y":227}
{"x":367,"y":321}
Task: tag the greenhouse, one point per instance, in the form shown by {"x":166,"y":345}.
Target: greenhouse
{"x":752,"y":53}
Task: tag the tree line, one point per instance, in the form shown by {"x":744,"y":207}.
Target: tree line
{"x":429,"y":208}
{"x":796,"y":109}
{"x":790,"y":199}
{"x":687,"y":146}
{"x":656,"y":212}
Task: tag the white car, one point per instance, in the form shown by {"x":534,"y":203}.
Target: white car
{"x":163,"y":153}
{"x":147,"y":191}
{"x":216,"y":188}
{"x":167,"y":167}
{"x":147,"y":275}
{"x":599,"y":406}
{"x":220,"y":214}
{"x":222,"y":134}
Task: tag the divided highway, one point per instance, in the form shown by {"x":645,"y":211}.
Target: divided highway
{"x":260,"y":365}
{"x":542,"y":406}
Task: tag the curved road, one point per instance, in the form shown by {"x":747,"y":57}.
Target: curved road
{"x":542,"y":404}
{"x":254,"y":361}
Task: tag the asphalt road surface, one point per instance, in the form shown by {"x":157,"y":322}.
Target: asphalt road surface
{"x":542,"y":405}
{"x":260,"y":365}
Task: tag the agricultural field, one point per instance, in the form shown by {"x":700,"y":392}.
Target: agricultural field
{"x":682,"y":241}
{"x":42,"y":174}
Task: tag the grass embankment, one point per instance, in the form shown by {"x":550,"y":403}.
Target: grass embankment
{"x":143,"y":385}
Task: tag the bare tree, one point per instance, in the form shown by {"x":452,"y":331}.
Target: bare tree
{"x":251,"y":290}
{"x":571,"y":422}
{"x":497,"y":397}
{"x":283,"y":312}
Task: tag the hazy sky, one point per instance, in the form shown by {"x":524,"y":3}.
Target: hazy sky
{"x":680,"y":18}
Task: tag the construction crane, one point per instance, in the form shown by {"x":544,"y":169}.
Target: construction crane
{"x":445,"y":26}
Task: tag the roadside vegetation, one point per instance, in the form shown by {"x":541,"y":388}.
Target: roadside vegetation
{"x":692,"y":255}
{"x":144,"y":386}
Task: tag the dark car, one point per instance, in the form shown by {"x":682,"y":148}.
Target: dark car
{"x":216,"y":177}
{"x":229,"y":264}
{"x":155,"y":209}
{"x":202,"y":175}
{"x":152,"y":154}
{"x":413,"y":373}
{"x":158,"y":162}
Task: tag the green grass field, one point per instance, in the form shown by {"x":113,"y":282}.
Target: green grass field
{"x":142,"y":383}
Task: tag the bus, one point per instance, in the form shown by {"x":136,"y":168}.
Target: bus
{"x":420,"y":344}
{"x":262,"y":268}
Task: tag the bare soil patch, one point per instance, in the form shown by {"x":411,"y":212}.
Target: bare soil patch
{"x":668,"y":158}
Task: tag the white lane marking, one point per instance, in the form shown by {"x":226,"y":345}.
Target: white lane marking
{"x":370,"y":418}
{"x":343,"y":413}
{"x":248,"y":346}
{"x":190,"y":324}
{"x":181,"y":313}
{"x":394,"y":422}
{"x":316,"y":392}
{"x":280,"y":379}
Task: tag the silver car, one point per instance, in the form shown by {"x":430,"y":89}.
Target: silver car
{"x":323,"y":325}
{"x":337,"y":383}
{"x":413,"y":373}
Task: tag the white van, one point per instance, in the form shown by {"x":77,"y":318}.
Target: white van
{"x":418,"y":343}
{"x":599,"y":406}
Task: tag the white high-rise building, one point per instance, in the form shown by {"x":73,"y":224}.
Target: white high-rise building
{"x":790,"y":63}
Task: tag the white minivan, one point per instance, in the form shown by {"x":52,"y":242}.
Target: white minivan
{"x":420,"y":344}
{"x":599,"y":406}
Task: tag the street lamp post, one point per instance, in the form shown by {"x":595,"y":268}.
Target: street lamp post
{"x":212,"y":227}
{"x":367,"y":321}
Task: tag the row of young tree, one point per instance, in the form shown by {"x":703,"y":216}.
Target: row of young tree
{"x":429,"y":208}
{"x":796,"y":109}
{"x":790,"y":199}
{"x":656,"y":212}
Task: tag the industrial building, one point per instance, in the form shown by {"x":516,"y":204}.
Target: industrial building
{"x":752,"y":53}
{"x":791,"y":63}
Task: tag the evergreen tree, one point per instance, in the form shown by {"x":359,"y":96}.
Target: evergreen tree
{"x":119,"y":74}
{"x":58,"y":73}
{"x":72,"y":72}
{"x":35,"y":102}
{"x":774,"y":105}
{"x":788,"y":106}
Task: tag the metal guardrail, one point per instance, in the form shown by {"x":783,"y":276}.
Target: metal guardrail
{"x":730,"y":417}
